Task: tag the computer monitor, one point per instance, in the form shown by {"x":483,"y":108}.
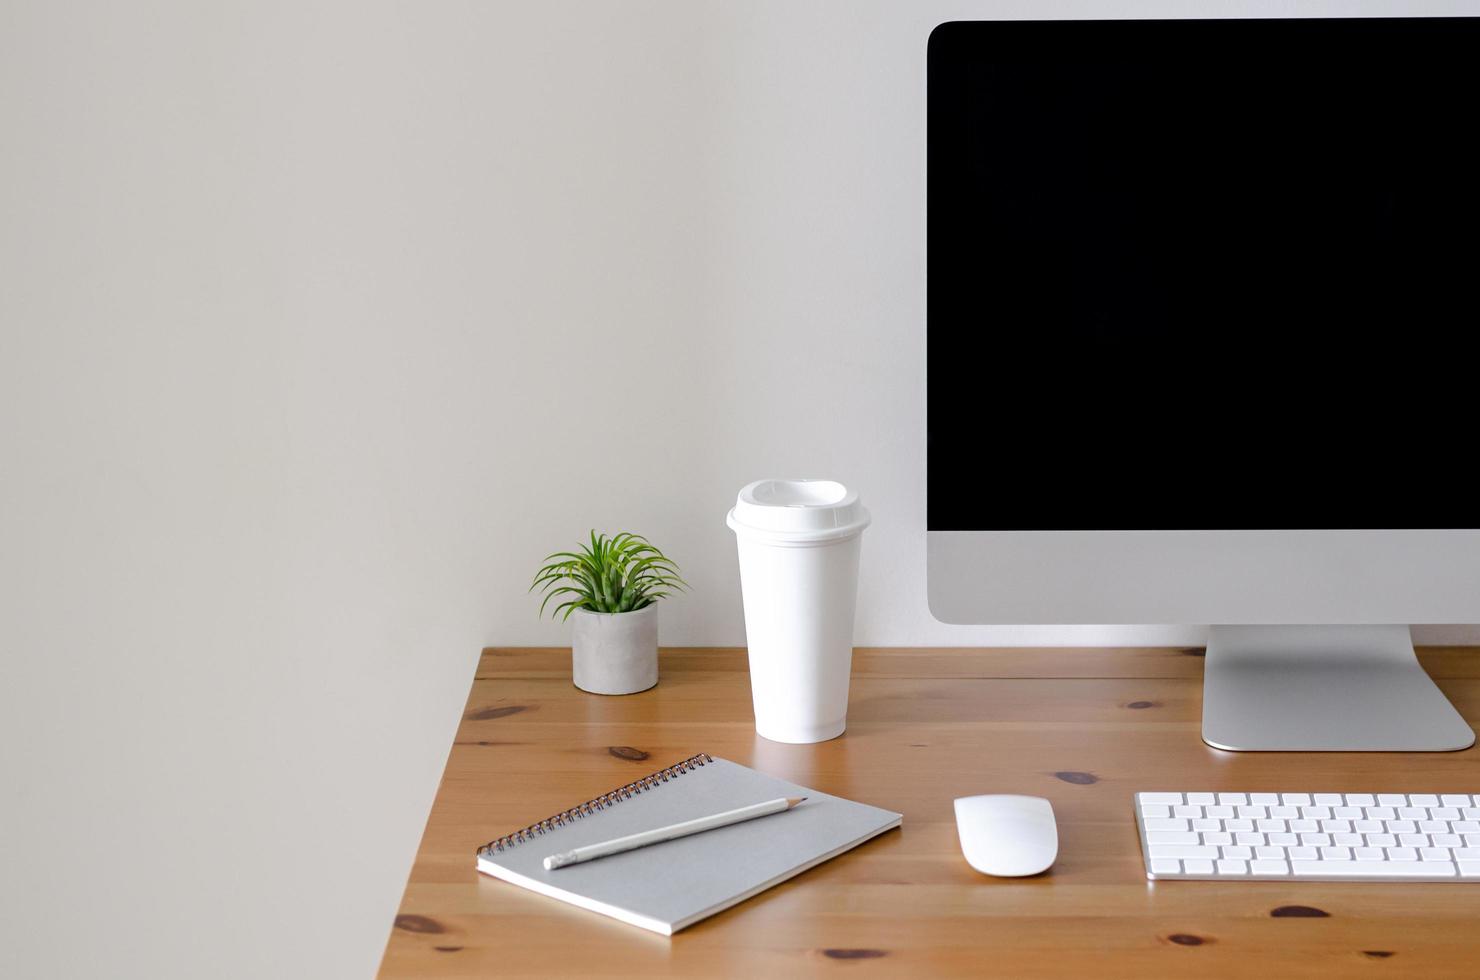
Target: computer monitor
{"x":1202,"y":326}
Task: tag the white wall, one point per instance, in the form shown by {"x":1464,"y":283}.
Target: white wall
{"x":321,"y":322}
{"x":781,"y":306}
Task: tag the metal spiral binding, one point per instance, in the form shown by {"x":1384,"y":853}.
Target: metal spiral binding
{"x":583,"y":810}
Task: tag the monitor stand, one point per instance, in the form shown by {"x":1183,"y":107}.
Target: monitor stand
{"x":1324,"y":689}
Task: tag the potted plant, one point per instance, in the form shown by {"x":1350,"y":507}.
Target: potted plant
{"x":611,"y":587}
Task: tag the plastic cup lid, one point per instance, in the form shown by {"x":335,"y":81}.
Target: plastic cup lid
{"x":803,"y":508}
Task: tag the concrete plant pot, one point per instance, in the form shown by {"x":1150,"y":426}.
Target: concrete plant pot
{"x":615,"y":653}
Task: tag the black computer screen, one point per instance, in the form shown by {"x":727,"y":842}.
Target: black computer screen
{"x":1203,"y":274}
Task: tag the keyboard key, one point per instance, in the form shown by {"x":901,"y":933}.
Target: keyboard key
{"x":1168,"y":798}
{"x":1470,"y":812}
{"x":1238,"y":826}
{"x":1284,"y":812}
{"x":1414,"y":840}
{"x":1233,"y":867}
{"x":1402,"y":853}
{"x":1467,"y":853}
{"x":1218,"y":837}
{"x":1433,"y":826}
{"x":1251,"y":839}
{"x":1284,"y":840}
{"x":1469,"y":869}
{"x":1472,"y":840}
{"x":1370,"y":869}
{"x":1401,"y":827}
{"x":1295,"y":799}
{"x":1206,"y":824}
{"x":1360,"y":799}
{"x":1369,"y":826}
{"x":1368,"y":854}
{"x":1303,"y":853}
{"x":1381,"y":840}
{"x":1422,"y":799}
{"x":1201,"y":799}
{"x":1264,"y":799}
{"x":1455,"y":799}
{"x":1315,"y":813}
{"x":1336,"y":854}
{"x":1347,"y":840}
{"x":1329,"y":799}
{"x":1316,"y":840}
{"x":1182,"y":851}
{"x":1270,"y":826}
{"x":1336,"y":826}
{"x":1238,"y":853}
{"x":1465,"y":826}
{"x":1413,"y":812}
{"x":1347,"y":813}
{"x":1194,"y":866}
{"x":1233,"y":799}
{"x":1156,"y":810}
{"x":1187,"y":811}
{"x":1269,"y":853}
{"x":1391,"y":799}
{"x":1166,"y":866}
{"x":1253,"y":812}
{"x":1433,"y":854}
{"x":1162,"y":823}
{"x":1443,"y":813}
{"x":1380,"y":812}
{"x":1446,"y":840}
{"x":1269,"y":868}
{"x":1219,"y":812}
{"x":1171,"y":837}
{"x":1305,"y":826}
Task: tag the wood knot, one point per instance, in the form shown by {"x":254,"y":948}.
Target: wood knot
{"x":418,"y":923}
{"x":1377,"y":954}
{"x":1187,"y":939}
{"x":487,"y":714}
{"x":1078,"y":778}
{"x":853,"y":954}
{"x":447,"y":949}
{"x":626,"y":752}
{"x":1299,"y":912}
{"x":1140,"y":705}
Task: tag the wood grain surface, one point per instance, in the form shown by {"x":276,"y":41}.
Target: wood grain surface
{"x":1084,"y":728}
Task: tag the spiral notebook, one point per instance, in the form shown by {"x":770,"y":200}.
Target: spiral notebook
{"x":671,"y":885}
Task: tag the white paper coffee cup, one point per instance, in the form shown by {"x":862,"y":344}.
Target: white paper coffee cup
{"x":799,"y":543}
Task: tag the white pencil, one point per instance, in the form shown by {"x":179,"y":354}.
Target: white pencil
{"x":697,"y":826}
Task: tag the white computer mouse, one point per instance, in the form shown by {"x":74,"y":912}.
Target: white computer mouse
{"x":1007,"y":836}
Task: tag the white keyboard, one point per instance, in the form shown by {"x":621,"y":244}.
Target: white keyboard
{"x":1319,"y":836}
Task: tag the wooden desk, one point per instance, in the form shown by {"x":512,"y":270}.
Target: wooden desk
{"x":1085,"y":728}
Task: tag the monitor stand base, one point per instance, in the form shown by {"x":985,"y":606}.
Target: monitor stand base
{"x":1324,"y":689}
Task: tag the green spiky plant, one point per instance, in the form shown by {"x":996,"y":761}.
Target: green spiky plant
{"x":620,"y":574}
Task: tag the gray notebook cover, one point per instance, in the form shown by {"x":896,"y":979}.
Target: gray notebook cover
{"x":668,"y":886}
